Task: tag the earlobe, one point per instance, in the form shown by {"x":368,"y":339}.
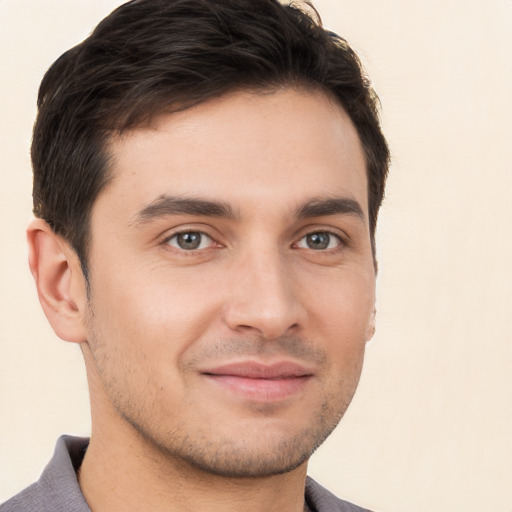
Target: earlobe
{"x":59,"y":281}
{"x":370,"y":331}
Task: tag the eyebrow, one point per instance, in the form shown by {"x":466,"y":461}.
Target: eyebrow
{"x":167,"y":205}
{"x":331,"y":206}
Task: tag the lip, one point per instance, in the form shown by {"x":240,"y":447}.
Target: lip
{"x":261,"y":382}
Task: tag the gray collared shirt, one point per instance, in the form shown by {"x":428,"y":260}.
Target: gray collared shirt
{"x":58,"y":491}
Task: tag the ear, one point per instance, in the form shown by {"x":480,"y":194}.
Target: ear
{"x":370,"y":330}
{"x":59,"y":280}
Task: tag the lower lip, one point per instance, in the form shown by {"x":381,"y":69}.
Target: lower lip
{"x":262,"y":390}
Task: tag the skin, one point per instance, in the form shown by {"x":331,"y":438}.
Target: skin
{"x":283,"y":276}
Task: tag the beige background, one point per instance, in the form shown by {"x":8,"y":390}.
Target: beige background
{"x":431,"y":425}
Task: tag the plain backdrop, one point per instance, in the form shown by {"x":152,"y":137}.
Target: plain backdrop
{"x":431,"y":425}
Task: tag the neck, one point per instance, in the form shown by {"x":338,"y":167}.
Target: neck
{"x":133,"y":475}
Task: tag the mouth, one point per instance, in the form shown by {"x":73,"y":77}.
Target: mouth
{"x":260,"y":382}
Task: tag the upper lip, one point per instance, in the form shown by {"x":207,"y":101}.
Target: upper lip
{"x":257,"y":370}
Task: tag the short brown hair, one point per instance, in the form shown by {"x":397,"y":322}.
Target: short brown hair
{"x":154,"y":56}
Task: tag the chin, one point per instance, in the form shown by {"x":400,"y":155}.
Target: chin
{"x":249,"y":452}
{"x":238,"y":461}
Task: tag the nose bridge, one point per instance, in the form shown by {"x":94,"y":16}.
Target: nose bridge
{"x":264,"y":295}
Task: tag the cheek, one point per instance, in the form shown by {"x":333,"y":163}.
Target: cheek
{"x":340,"y":319}
{"x":152,"y":311}
{"x":343,"y":307}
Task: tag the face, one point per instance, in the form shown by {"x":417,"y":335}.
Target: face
{"x":232,"y":281}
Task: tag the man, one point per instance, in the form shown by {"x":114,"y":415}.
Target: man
{"x":207,"y":178}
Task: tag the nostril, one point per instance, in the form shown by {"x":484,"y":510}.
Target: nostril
{"x":264,"y":305}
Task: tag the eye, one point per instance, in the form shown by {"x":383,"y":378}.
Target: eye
{"x":190,"y":241}
{"x":319,"y":241}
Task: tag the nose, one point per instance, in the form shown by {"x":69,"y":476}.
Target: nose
{"x":263,"y":298}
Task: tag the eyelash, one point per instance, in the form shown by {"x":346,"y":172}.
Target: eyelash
{"x":340,"y":245}
{"x":341,"y":242}
{"x":189,"y":231}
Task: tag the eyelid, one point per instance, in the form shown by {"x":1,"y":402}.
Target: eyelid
{"x":321,"y":228}
{"x":190,"y":229}
{"x":205,"y":239}
{"x":342,"y":239}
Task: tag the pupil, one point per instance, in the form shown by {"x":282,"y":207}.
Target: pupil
{"x":318,"y":241}
{"x":189,"y":240}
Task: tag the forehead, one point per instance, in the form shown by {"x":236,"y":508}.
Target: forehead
{"x":245,"y":148}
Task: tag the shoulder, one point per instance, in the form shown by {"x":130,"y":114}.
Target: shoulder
{"x":29,"y":499}
{"x":57,"y":490}
{"x":320,"y":499}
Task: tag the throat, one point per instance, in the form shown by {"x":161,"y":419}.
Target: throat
{"x":123,"y":480}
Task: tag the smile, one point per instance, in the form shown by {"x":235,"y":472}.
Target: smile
{"x":261,"y":383}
